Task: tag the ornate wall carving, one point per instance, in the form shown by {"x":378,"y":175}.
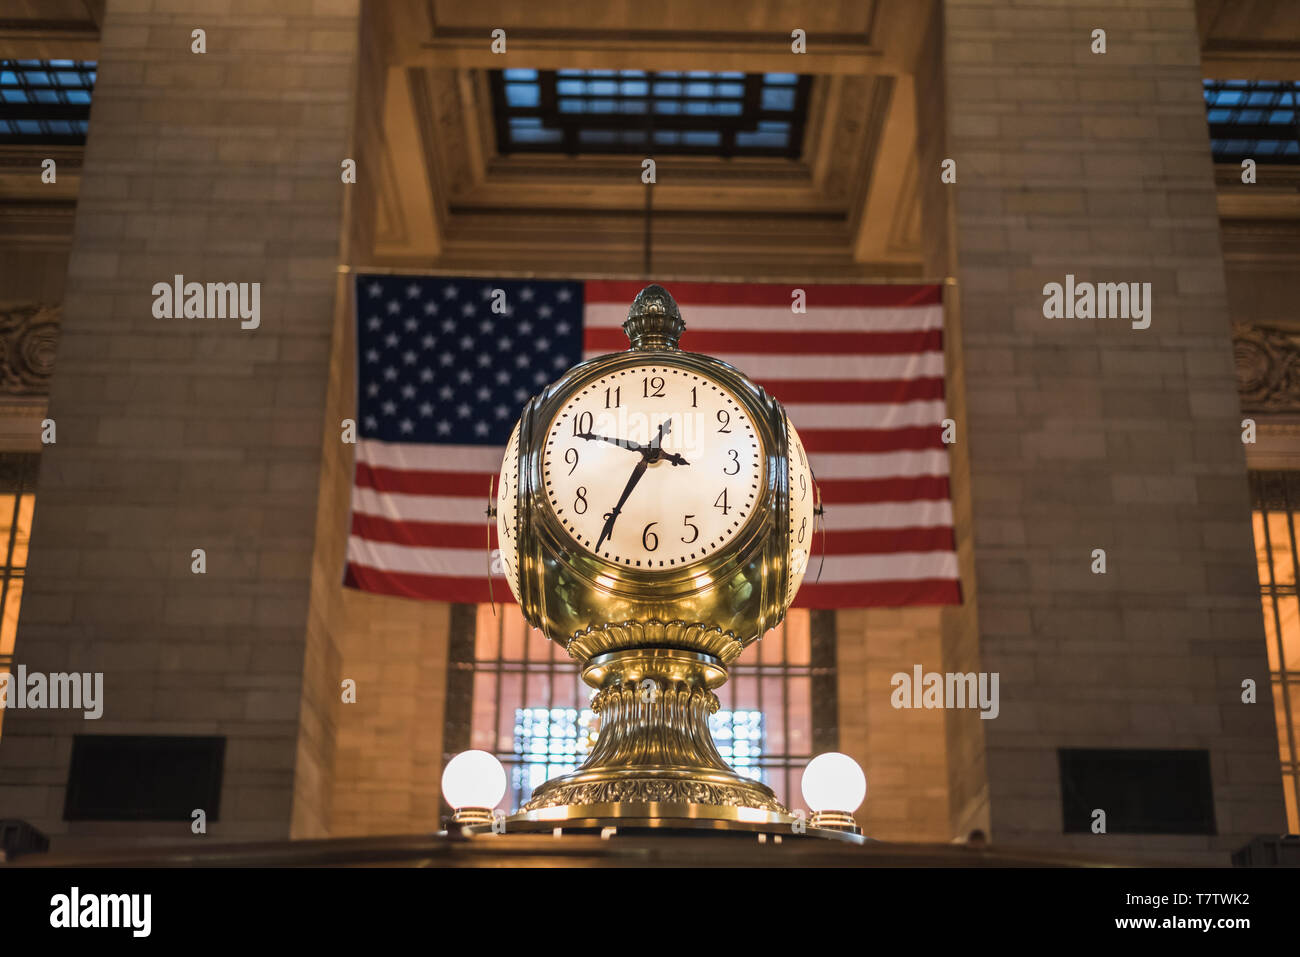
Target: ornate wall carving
{"x":29,"y":336}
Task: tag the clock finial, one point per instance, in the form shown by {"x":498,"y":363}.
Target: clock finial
{"x":654,"y":321}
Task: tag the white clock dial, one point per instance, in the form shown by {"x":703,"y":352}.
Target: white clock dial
{"x":802,"y":502}
{"x":508,"y":513}
{"x":652,"y":467}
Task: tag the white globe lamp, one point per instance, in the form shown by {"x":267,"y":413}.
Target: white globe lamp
{"x":473,"y":783}
{"x":834,"y":787}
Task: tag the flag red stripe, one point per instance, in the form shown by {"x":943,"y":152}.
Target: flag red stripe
{"x":926,"y":591}
{"x":873,"y":440}
{"x":474,"y":538}
{"x":883,"y":541}
{"x":375,"y":528}
{"x":473,"y":486}
{"x":427,"y":587}
{"x":794,"y":391}
{"x":767,"y":294}
{"x":597,"y":339}
{"x":412,"y":482}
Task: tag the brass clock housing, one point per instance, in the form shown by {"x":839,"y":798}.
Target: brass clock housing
{"x":654,"y":642}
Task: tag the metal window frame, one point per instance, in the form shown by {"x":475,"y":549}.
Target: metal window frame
{"x":41,"y":112}
{"x":1253,"y":132}
{"x":1274,"y":491}
{"x":18,"y":473}
{"x":571,"y":125}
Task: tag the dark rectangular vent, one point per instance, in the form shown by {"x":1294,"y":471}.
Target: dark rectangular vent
{"x":144,"y":778}
{"x":1142,"y":792}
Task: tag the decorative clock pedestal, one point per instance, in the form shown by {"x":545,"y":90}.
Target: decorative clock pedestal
{"x":655,"y":516}
{"x":655,"y":757}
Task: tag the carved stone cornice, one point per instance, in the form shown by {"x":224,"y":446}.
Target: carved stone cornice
{"x":1268,"y":367}
{"x":29,"y":336}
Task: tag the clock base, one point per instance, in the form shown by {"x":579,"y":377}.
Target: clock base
{"x":655,"y":751}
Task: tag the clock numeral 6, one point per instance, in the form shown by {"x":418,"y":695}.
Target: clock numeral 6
{"x":649,"y":540}
{"x":693,"y":527}
{"x":735,"y":460}
{"x":581,"y":500}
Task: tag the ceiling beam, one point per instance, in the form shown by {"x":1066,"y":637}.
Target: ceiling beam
{"x":881,"y":229}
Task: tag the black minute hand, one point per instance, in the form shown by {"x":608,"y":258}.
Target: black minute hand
{"x":612,"y":516}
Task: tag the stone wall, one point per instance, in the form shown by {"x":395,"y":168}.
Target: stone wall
{"x":1088,"y":434}
{"x":186,"y":433}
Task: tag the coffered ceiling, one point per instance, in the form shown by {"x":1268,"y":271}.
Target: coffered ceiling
{"x":846,"y":207}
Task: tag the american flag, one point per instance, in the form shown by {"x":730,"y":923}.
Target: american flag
{"x":442,"y":378}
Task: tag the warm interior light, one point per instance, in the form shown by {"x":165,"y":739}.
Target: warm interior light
{"x":473,"y":779}
{"x":834,"y":782}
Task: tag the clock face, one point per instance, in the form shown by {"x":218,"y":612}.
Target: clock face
{"x":802,"y":517}
{"x":508,"y":513}
{"x":652,"y":467}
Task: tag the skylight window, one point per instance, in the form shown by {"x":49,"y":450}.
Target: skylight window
{"x":45,"y":101}
{"x":1253,"y":119}
{"x":641,"y":111}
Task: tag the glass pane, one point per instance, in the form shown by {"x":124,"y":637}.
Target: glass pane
{"x":9,"y":625}
{"x":1273,"y":536}
{"x":798,"y":626}
{"x":512,"y":636}
{"x":1292,"y":817}
{"x":539,"y":649}
{"x":800,"y":717}
{"x":746,"y":691}
{"x":486,"y":628}
{"x":774,"y":714}
{"x":772,"y":646}
{"x":483,"y":726}
{"x":512,"y":693}
{"x":1279,"y":710}
{"x":1270,"y":632}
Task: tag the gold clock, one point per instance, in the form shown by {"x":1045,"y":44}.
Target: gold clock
{"x":655,"y":516}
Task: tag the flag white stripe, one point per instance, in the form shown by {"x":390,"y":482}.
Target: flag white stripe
{"x":467,"y":563}
{"x":900,"y":566}
{"x":399,"y":507}
{"x":896,"y":415}
{"x":453,"y":510}
{"x":416,"y":457}
{"x":780,"y":319}
{"x":878,"y":465}
{"x":849,"y":367}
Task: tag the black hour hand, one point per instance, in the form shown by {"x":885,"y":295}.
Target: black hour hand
{"x":621,"y":443}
